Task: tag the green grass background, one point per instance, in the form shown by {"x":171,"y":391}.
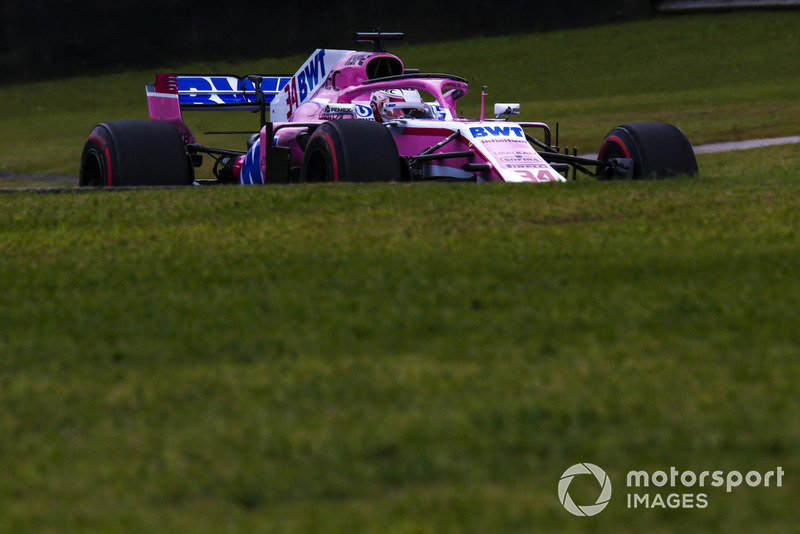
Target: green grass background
{"x":426,"y":358}
{"x":718,"y":77}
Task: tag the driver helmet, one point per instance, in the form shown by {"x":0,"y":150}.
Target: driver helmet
{"x":381,"y":101}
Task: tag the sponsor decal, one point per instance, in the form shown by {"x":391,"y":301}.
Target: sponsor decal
{"x":455,"y":86}
{"x":339,"y":109}
{"x":251,"y":173}
{"x":357,"y":59}
{"x":347,"y":111}
{"x":221,"y":90}
{"x":439,"y":113}
{"x":497,"y":131}
{"x":520,"y":157}
{"x":364,"y":112}
{"x":305,"y":82}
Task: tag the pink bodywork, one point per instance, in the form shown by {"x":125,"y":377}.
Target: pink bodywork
{"x":504,"y":148}
{"x":164,"y":105}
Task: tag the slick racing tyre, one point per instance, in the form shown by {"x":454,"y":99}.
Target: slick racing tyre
{"x":658,"y":150}
{"x":134,"y":153}
{"x":351,"y":150}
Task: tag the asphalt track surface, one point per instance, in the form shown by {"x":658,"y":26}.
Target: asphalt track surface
{"x":68,"y":182}
{"x":745,"y":145}
{"x":714,"y":148}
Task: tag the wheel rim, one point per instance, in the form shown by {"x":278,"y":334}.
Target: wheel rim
{"x":317,"y":169}
{"x":92,"y":171}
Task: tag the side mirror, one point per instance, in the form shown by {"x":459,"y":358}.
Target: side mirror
{"x":506,"y":109}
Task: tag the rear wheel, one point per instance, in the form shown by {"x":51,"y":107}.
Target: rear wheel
{"x":657,"y":150}
{"x":131,"y":153}
{"x":351,"y":150}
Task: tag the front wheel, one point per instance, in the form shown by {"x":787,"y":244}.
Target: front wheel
{"x":351,"y":150}
{"x":655,"y":150}
{"x":132,"y":153}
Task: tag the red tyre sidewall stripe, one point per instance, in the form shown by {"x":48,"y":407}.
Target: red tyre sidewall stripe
{"x":333,"y":156}
{"x":618,"y":141}
{"x":95,"y":138}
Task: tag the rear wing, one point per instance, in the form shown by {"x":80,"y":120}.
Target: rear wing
{"x":218,"y":93}
{"x":228,"y":92}
{"x":173,"y":93}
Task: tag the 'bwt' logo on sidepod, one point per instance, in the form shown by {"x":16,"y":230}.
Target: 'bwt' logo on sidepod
{"x":584,"y":469}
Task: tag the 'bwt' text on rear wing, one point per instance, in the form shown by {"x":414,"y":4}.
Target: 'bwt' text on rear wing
{"x":218,"y":93}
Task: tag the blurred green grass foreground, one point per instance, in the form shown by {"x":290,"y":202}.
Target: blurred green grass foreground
{"x":394,"y":358}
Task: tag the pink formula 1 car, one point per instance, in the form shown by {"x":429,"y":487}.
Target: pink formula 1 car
{"x":359,"y":117}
